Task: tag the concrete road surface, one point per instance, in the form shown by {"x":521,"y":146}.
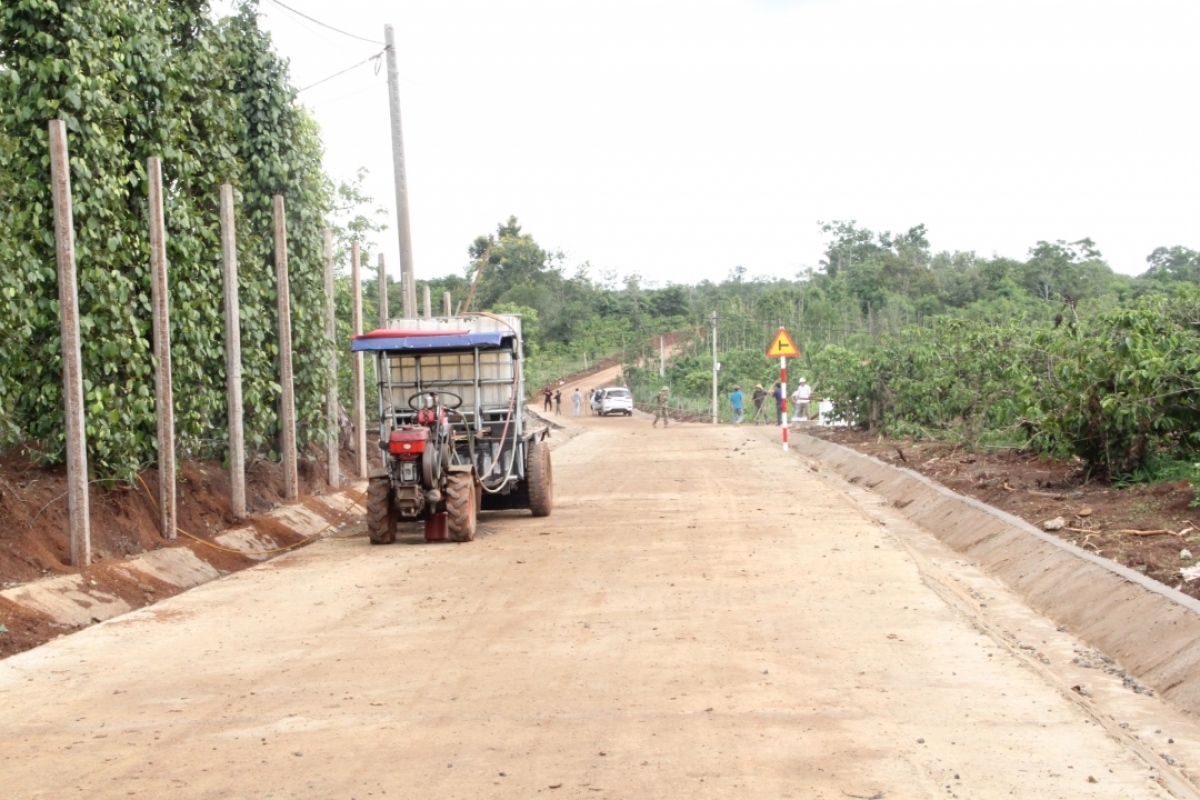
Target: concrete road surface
{"x":701,"y":617}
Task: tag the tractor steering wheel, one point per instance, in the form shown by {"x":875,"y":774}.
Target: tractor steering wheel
{"x":414,"y":400}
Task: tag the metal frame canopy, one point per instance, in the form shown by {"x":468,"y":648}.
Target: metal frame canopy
{"x":422,"y":341}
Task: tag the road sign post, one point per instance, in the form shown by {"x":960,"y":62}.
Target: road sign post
{"x":782,"y":347}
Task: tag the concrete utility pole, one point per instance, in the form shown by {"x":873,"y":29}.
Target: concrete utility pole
{"x":716,"y":368}
{"x":360,"y":390}
{"x":78,"y":514}
{"x":447,"y":306}
{"x":662,"y":357}
{"x":428,"y":301}
{"x":233,"y":356}
{"x":287,"y":414}
{"x":383,"y":294}
{"x":407,"y":281}
{"x":160,"y":301}
{"x":331,"y":396}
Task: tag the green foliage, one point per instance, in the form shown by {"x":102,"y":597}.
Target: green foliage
{"x":1123,"y":388}
{"x":1120,"y":390}
{"x":131,"y":80}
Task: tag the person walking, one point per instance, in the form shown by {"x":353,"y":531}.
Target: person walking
{"x":549,"y":398}
{"x":760,"y":394}
{"x":738,"y":401}
{"x":777,"y":393}
{"x":577,"y":401}
{"x":661,"y":411}
{"x":801,"y":398}
{"x":558,"y":403}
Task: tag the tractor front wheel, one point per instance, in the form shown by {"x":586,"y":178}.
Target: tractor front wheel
{"x":381,"y":517}
{"x":462,"y":507}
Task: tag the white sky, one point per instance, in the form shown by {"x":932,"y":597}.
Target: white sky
{"x":679,"y":139}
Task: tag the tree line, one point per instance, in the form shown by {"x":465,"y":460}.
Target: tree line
{"x":1055,"y":352}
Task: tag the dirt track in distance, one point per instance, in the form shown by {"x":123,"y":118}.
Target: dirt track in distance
{"x":702,"y":616}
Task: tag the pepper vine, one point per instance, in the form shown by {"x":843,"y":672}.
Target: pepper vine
{"x":131,"y":79}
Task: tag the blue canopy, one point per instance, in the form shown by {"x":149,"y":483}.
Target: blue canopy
{"x":469,"y":341}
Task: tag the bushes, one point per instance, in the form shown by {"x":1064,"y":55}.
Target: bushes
{"x":1116,"y":389}
{"x":1124,"y":387}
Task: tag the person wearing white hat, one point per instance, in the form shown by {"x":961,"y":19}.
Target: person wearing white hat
{"x":800,"y":399}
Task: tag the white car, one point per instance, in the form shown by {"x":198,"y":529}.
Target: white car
{"x":613,"y":400}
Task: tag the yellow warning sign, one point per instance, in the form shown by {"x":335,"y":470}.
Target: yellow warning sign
{"x":783,"y":346}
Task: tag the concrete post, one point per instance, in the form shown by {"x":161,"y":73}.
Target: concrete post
{"x":160,"y":301}
{"x":287,"y":410}
{"x":79,"y":516}
{"x":410,"y":294}
{"x":715,"y":368}
{"x":384,"y":429}
{"x":331,"y":396}
{"x":356,"y":321}
{"x":383,"y":294}
{"x":447,"y":308}
{"x":428,"y":302}
{"x":403,"y":229}
{"x":233,"y":356}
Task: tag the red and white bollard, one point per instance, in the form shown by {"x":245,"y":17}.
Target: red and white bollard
{"x":783,"y":398}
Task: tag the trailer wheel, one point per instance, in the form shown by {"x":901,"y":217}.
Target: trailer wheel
{"x":381,"y":517}
{"x":461,"y":507}
{"x":540,"y":478}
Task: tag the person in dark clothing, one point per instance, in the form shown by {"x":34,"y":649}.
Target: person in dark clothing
{"x":760,"y":394}
{"x":777,"y":393}
{"x":549,"y":397}
{"x":558,"y":403}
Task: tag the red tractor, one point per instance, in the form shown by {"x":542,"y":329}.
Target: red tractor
{"x":450,"y":413}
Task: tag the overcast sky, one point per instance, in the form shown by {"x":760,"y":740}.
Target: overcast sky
{"x":680,"y":139}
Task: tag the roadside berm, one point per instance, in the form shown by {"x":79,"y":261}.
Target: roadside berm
{"x":1151,"y":629}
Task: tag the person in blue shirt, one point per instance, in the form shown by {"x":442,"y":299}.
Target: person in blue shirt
{"x":738,"y":401}
{"x":777,"y":393}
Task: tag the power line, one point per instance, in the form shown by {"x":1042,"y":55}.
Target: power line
{"x":374,"y":58}
{"x":323,"y":25}
{"x":341,"y":98}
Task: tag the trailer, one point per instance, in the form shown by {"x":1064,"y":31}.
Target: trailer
{"x":452,"y":429}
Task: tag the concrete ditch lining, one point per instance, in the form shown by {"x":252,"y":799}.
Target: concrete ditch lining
{"x":1152,"y":630}
{"x":72,"y":601}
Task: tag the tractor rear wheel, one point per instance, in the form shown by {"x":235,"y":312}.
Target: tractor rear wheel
{"x":539,"y":477}
{"x":461,"y":507}
{"x":381,"y":517}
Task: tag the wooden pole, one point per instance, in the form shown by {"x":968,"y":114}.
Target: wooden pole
{"x":360,"y":391}
{"x":446,"y":305}
{"x":287,"y":415}
{"x":233,"y":356}
{"x":383,"y":294}
{"x":331,"y":397}
{"x":79,"y":516}
{"x":428,"y":302}
{"x":160,"y":301}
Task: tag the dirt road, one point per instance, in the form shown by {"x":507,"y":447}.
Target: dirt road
{"x":702,"y":616}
